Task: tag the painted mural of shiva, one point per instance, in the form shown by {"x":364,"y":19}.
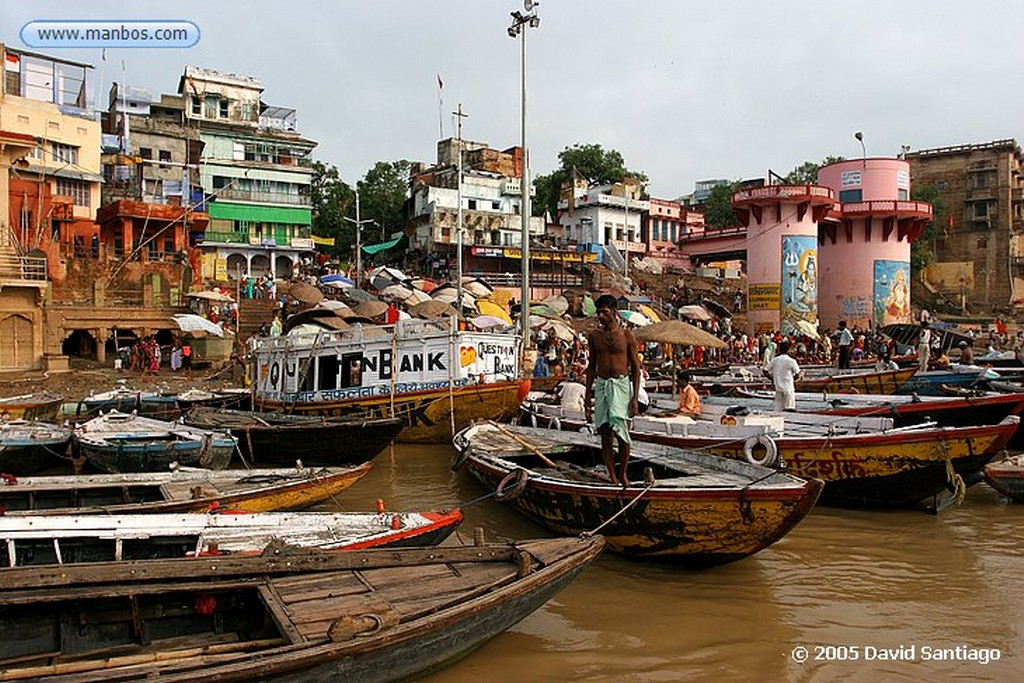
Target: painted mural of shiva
{"x":805,"y":291}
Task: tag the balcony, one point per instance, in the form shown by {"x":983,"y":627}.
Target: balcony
{"x":226,"y":237}
{"x":262,"y":197}
{"x":15,"y":268}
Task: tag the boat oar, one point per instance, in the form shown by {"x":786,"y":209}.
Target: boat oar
{"x":526,"y":444}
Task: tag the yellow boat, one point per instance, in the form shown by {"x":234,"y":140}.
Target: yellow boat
{"x":185,"y":490}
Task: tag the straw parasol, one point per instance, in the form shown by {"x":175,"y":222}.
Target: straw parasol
{"x":370,"y":309}
{"x":678,"y":332}
{"x":432,"y":309}
{"x":307,"y":294}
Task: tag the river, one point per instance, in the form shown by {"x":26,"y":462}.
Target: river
{"x":870,"y":596}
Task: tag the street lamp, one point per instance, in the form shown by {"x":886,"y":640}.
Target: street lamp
{"x":359,"y":246}
{"x":517,"y":29}
{"x":864,"y":153}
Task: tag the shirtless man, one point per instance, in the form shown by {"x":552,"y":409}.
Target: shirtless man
{"x":613,"y":379}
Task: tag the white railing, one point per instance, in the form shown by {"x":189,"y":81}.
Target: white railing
{"x":22,"y":268}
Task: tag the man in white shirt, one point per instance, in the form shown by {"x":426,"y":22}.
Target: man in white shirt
{"x":924,"y":347}
{"x":783,"y":370}
{"x":845,"y":346}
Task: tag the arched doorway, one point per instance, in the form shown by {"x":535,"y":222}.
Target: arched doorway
{"x":237,"y":264}
{"x":79,"y":343}
{"x":16,"y":343}
{"x":283,"y":267}
{"x":260,"y":265}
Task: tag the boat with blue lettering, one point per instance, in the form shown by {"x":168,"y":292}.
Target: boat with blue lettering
{"x":436,"y":378}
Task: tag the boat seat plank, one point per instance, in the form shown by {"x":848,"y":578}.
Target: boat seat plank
{"x":294,"y":588}
{"x":446,"y":586}
{"x":387,"y":577}
{"x":279,"y":613}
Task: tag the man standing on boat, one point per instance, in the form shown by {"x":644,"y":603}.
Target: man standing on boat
{"x":845,"y":345}
{"x":924,"y":347}
{"x":784,"y":370}
{"x":613,"y":379}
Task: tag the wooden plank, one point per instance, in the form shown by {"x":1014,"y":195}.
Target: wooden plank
{"x":295,"y":589}
{"x":120,"y":573}
{"x":279,"y":613}
{"x":22,"y":597}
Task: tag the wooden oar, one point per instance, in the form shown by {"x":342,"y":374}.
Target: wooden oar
{"x":526,"y":444}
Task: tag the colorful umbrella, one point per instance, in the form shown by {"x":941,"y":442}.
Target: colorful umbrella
{"x":489,"y":308}
{"x":650,"y":313}
{"x":635,"y":318}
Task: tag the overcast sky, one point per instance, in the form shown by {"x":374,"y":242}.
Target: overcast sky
{"x":684,"y":90}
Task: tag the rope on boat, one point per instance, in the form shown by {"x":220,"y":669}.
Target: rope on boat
{"x":588,"y":534}
{"x":956,"y":481}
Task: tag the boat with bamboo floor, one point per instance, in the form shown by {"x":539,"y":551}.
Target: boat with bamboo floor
{"x":125,"y":442}
{"x":181,"y":490}
{"x":274,"y":439}
{"x":687,"y":507}
{"x":72,"y":539}
{"x":365,"y":615}
{"x":27,"y":447}
{"x":434,"y":377}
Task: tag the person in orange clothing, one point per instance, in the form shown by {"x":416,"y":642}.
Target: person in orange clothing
{"x":689,"y":399}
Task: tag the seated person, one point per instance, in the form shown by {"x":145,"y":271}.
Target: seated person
{"x":540,"y":367}
{"x":886,"y":363}
{"x":689,"y":400}
{"x":966,"y":354}
{"x":572,"y":395}
{"x":939,"y":360}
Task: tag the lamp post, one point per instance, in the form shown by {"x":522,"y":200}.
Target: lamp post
{"x":359,"y":246}
{"x":863,"y":151}
{"x":518,"y":30}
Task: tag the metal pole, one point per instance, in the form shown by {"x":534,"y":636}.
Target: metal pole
{"x":524,"y":308}
{"x":359,"y":246}
{"x":458,"y":219}
{"x":625,"y":271}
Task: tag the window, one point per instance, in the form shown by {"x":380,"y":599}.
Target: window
{"x":37,"y":152}
{"x":146,"y":152}
{"x":496,"y":206}
{"x":197,"y":106}
{"x":65,"y":153}
{"x":78,"y":190}
{"x":981,"y":210}
{"x":471,"y":204}
{"x":165,"y":155}
{"x":846,"y":196}
{"x":902,"y":195}
{"x":223,"y":109}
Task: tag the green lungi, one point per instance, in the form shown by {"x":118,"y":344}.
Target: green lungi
{"x":611,"y":404}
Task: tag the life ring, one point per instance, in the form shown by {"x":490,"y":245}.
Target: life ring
{"x":513,"y":485}
{"x":771,"y":451}
{"x":459,"y":459}
{"x":555,"y":424}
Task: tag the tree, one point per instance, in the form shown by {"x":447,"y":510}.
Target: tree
{"x":592,"y":162}
{"x":382,"y":194}
{"x":922,"y":250}
{"x":331,"y":199}
{"x":718,"y":206}
{"x":807,"y":172}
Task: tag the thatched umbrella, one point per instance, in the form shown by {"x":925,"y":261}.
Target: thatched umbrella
{"x":432,"y":309}
{"x":370,"y":309}
{"x":678,"y":332}
{"x":307,"y":294}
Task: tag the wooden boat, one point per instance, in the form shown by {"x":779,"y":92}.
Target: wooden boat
{"x":826,"y":379}
{"x":694,"y":509}
{"x":123,"y":442}
{"x":192,"y":490}
{"x":1007,"y":477}
{"x":435,"y":378}
{"x":864,"y":462}
{"x":41,"y":406}
{"x":931,"y":383}
{"x":161,"y":406}
{"x":71,"y":539}
{"x":955,"y":410}
{"x":365,"y":615}
{"x":27,"y":447}
{"x":273,"y":439}
{"x":235,"y":399}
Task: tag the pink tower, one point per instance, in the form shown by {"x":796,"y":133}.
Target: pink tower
{"x":865,"y":241}
{"x":782,"y":254}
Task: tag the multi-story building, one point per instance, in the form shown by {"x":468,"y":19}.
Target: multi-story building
{"x":607,"y":216}
{"x":256,"y":171}
{"x":979,"y":253}
{"x":664,"y":225}
{"x":491,"y":201}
